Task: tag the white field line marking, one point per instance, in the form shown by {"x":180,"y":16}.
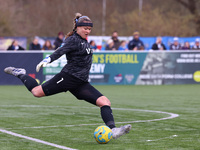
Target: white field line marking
{"x":171,"y":116}
{"x":35,"y":140}
{"x":162,"y":138}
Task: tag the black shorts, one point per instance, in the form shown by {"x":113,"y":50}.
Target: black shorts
{"x":63,"y":82}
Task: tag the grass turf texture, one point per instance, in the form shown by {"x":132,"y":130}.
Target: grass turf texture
{"x":18,"y":109}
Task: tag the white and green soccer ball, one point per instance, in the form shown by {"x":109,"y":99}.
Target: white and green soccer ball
{"x":103,"y":134}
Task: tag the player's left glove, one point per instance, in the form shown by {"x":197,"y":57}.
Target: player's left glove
{"x":43,"y":63}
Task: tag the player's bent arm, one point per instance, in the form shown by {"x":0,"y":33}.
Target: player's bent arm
{"x":67,"y":46}
{"x":57,"y":54}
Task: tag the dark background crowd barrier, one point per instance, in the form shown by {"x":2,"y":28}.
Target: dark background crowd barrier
{"x":140,"y":68}
{"x":27,"y":60}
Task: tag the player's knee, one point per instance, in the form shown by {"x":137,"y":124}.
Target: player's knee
{"x":103,"y":101}
{"x":37,"y":92}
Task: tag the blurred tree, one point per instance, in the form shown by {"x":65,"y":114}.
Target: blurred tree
{"x":5,"y":27}
{"x":48,"y":17}
{"x":193,"y":7}
{"x":5,"y":22}
{"x":152,"y":22}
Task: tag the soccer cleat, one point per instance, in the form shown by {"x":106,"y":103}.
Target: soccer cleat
{"x":14,"y":71}
{"x":117,"y":132}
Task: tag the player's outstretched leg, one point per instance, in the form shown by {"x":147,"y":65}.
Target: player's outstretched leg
{"x":28,"y":81}
{"x":117,"y":132}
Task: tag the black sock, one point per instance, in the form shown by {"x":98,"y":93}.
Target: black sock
{"x":28,"y":81}
{"x":107,"y":116}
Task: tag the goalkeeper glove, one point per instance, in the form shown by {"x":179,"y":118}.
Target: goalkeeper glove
{"x":43,"y":63}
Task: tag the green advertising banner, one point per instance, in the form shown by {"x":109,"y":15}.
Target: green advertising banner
{"x":107,"y":68}
{"x":116,"y":68}
{"x":142,"y":68}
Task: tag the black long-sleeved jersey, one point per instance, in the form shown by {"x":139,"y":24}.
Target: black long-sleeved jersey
{"x":78,"y":54}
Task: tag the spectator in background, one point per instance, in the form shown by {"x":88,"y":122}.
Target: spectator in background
{"x":35,"y":45}
{"x":136,"y":43}
{"x":15,"y":46}
{"x":93,"y":45}
{"x":197,"y":45}
{"x":47,"y":45}
{"x":158,"y":45}
{"x":175,"y":45}
{"x":110,"y":45}
{"x":123,"y":46}
{"x":186,"y":46}
{"x":115,"y":40}
{"x":58,"y":41}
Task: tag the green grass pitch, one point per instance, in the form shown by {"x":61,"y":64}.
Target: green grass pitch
{"x":20,"y":112}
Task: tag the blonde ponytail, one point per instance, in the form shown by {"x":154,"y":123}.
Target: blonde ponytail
{"x":77,"y":16}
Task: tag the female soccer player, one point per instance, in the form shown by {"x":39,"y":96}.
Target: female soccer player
{"x":74,"y":75}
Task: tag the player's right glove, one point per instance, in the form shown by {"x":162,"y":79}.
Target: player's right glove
{"x":43,"y":63}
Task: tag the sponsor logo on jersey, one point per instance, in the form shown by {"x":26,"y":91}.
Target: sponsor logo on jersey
{"x":89,"y":50}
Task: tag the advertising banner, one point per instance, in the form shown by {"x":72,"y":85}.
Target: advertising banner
{"x":114,"y":68}
{"x":170,"y":68}
{"x":141,"y":68}
{"x":107,"y":68}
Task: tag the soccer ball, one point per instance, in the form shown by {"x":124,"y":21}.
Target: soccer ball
{"x":103,"y":134}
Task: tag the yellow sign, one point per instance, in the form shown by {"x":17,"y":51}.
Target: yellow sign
{"x":196,"y":76}
{"x":116,"y":58}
